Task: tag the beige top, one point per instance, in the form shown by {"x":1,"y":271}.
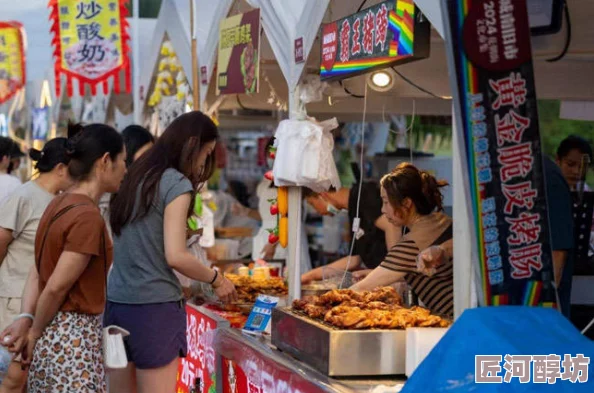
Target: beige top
{"x":20,"y":212}
{"x":437,"y":291}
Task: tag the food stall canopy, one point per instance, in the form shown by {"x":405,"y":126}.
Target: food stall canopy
{"x":284,"y":23}
{"x":568,"y":79}
{"x":501,"y":331}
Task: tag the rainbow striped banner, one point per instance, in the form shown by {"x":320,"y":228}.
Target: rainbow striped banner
{"x":489,"y":48}
{"x":380,"y":36}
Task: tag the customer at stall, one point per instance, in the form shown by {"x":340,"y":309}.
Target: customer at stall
{"x":375,"y":233}
{"x":412,"y":198}
{"x":149,"y":222}
{"x":66,"y":289}
{"x":15,"y":160}
{"x":19,"y":217}
{"x":137,"y":141}
{"x":8,"y":183}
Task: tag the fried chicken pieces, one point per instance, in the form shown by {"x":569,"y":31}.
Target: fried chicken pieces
{"x":378,"y":309}
{"x":249,"y":288}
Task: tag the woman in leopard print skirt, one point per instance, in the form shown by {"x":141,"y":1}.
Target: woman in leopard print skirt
{"x":73,"y":252}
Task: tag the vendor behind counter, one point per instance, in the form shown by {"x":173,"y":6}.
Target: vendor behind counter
{"x":375,"y":231}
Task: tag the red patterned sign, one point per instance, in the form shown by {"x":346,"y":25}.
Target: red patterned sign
{"x":198,"y":368}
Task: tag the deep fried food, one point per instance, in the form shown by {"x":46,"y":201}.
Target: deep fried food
{"x":249,"y":288}
{"x":378,"y":309}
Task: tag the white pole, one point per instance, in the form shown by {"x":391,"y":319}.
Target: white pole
{"x":463,"y":268}
{"x":295,"y":222}
{"x":136,"y":63}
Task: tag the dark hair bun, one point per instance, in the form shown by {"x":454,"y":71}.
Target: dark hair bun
{"x":74,"y":129}
{"x":35,"y":154}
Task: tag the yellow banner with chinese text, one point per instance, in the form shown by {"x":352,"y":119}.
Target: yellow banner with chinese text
{"x":12,"y":60}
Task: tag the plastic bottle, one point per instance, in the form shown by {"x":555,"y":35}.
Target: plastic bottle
{"x":5,"y":360}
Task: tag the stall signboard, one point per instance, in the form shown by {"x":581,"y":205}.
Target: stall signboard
{"x":389,"y":33}
{"x":239,"y":54}
{"x":257,"y":374}
{"x":198,"y":369}
{"x":91,"y":44}
{"x":495,"y":103}
{"x":12,"y":59}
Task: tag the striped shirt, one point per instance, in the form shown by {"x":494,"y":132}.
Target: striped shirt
{"x":437,"y":291}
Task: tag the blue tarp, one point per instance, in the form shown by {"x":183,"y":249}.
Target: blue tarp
{"x":513,"y":330}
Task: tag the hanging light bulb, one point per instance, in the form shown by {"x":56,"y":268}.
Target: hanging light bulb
{"x":381,"y":81}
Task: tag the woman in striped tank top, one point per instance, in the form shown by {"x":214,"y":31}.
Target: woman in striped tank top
{"x":412,"y":199}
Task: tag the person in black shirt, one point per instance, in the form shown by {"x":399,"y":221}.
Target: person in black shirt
{"x":375,"y":233}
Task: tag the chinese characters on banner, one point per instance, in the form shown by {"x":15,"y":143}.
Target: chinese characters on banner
{"x":498,"y":122}
{"x":12,"y":59}
{"x":379,"y":36}
{"x":91,"y":43}
{"x":198,"y":367}
{"x":239,"y":54}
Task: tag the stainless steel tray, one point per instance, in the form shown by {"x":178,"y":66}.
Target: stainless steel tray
{"x":339,"y":353}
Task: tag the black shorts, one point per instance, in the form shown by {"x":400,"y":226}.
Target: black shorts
{"x":157,"y":331}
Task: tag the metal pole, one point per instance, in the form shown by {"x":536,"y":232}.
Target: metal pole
{"x":195,"y":76}
{"x":295,"y":222}
{"x":136,"y":63}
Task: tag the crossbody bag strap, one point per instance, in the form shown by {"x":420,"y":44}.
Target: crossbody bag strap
{"x":54,"y":219}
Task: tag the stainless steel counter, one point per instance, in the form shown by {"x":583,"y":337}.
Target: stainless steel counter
{"x":232,"y":343}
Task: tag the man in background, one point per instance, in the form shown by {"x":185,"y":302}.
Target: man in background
{"x":8,"y":183}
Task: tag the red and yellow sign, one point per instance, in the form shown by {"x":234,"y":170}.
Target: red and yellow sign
{"x":90,"y":43}
{"x":12,"y":59}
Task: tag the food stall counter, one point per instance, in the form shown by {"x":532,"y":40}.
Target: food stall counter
{"x":253,"y":364}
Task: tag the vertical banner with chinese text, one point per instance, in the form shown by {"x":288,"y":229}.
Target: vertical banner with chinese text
{"x":239,"y":54}
{"x":492,"y":79}
{"x":91,"y":43}
{"x":12,"y":59}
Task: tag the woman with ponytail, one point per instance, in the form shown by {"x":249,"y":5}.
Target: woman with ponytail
{"x":412,"y":198}
{"x":19,"y":217}
{"x":73,"y":252}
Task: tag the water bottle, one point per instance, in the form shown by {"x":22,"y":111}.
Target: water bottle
{"x":5,"y":360}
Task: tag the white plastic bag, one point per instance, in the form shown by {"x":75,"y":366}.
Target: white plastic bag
{"x":304,"y":155}
{"x":114,"y":352}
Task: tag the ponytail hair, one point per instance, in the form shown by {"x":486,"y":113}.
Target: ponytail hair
{"x":423,"y":189}
{"x":53,"y":153}
{"x":87,"y":144}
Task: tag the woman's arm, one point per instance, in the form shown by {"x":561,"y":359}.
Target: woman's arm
{"x":68,"y":270}
{"x":379,"y":277}
{"x":177,"y":254}
{"x":5,"y":240}
{"x":14,"y":336}
{"x":341,"y":264}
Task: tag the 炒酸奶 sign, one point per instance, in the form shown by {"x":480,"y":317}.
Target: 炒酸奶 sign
{"x":389,"y":33}
{"x":91,"y":43}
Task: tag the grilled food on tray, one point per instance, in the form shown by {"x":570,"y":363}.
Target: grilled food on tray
{"x":378,"y":309}
{"x":249,"y":288}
